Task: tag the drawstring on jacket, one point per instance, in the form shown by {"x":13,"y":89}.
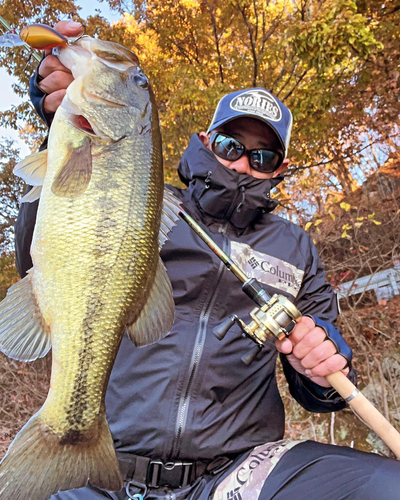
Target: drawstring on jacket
{"x":242,"y":190}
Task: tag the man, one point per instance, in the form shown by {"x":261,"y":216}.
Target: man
{"x":188,"y":417}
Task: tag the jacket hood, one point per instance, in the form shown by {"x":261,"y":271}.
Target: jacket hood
{"x":223,"y":193}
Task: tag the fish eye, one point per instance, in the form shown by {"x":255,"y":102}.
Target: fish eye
{"x":141,"y":81}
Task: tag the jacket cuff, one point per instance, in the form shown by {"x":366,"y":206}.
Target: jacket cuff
{"x":38,"y":96}
{"x":311,"y":396}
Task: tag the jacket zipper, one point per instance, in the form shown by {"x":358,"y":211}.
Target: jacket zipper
{"x":197,"y":353}
{"x":237,"y":207}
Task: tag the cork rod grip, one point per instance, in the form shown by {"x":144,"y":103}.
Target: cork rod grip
{"x":366,"y":411}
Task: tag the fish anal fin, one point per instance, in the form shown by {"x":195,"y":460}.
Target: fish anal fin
{"x":32,"y":169}
{"x":39,"y":463}
{"x":75,"y":173}
{"x":23,"y":333}
{"x":157,"y":316}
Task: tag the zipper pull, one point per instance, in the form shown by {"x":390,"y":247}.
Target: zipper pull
{"x":239,"y":207}
{"x":207,"y":179}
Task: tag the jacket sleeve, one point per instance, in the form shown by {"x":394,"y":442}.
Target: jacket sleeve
{"x":23,"y":231}
{"x":25,"y":222}
{"x":311,"y":396}
{"x":24,"y":227}
{"x":38,"y":96}
{"x":316,"y":298}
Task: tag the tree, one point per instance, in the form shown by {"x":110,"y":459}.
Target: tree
{"x":10,"y":191}
{"x":320,"y":57}
{"x":316,"y":56}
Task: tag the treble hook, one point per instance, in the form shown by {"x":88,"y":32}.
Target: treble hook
{"x":75,"y":39}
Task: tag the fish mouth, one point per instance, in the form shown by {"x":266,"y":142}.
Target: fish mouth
{"x":83,"y":124}
{"x":80,"y":121}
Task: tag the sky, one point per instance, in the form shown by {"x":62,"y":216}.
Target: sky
{"x":8,"y":98}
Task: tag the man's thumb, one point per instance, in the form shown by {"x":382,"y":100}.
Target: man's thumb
{"x":284,"y":346}
{"x":69,"y":28}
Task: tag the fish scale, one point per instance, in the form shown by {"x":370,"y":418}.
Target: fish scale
{"x":113,"y":264}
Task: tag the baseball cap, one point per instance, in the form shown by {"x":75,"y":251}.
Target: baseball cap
{"x":255,"y":103}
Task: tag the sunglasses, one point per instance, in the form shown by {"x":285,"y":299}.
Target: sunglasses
{"x":229,"y":148}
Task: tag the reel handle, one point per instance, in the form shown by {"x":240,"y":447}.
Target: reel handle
{"x":221,"y":330}
{"x":251,"y":355}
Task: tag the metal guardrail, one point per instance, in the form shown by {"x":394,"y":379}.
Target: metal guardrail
{"x":385,"y":284}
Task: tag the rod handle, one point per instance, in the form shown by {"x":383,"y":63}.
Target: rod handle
{"x":366,"y":410}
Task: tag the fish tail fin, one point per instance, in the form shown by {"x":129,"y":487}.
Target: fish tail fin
{"x":38,"y":463}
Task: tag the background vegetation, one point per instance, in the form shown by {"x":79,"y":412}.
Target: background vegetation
{"x":335,"y":64}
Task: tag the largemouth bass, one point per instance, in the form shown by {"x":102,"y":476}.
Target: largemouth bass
{"x":96,"y":268}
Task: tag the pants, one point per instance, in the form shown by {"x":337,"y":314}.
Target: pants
{"x":308,"y":471}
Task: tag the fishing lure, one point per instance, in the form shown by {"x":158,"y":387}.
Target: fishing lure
{"x":35,"y":37}
{"x":42,"y":37}
{"x":11,"y":39}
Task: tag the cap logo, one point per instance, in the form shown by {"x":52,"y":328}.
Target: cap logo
{"x":257,"y":102}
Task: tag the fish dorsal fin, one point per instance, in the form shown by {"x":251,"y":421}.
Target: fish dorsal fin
{"x":23,"y":333}
{"x":169,"y":215}
{"x":32,"y":169}
{"x":74,"y":175}
{"x":32,"y":195}
{"x":157,"y":316}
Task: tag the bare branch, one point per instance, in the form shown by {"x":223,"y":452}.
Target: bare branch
{"x":216,"y":39}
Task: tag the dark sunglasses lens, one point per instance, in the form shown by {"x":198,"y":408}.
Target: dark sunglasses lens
{"x":227,"y":148}
{"x":264,"y":160}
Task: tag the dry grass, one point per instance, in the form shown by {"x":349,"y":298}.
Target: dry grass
{"x":23,"y":390}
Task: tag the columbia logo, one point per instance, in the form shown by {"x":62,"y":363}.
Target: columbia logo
{"x":253,"y":262}
{"x":234,"y":495}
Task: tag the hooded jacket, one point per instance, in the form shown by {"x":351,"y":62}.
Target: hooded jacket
{"x":189,"y":395}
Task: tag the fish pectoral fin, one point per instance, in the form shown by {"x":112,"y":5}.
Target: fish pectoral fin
{"x":169,"y":216}
{"x":32,"y":169}
{"x":75,"y":173}
{"x":32,"y":195}
{"x":23,"y":333}
{"x":157,"y":316}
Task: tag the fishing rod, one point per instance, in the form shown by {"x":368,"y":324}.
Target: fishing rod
{"x":277,"y":316}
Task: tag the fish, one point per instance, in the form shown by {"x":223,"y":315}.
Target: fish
{"x":103,"y":216}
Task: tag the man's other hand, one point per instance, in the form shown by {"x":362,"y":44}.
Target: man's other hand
{"x":56,"y":77}
{"x":310,"y":352}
